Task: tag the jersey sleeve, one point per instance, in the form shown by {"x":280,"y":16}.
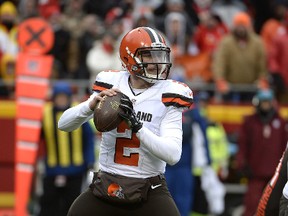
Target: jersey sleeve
{"x":75,"y":116}
{"x":167,"y":146}
{"x":177,"y":94}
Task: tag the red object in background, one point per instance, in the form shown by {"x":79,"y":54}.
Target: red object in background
{"x":33,"y":69}
{"x":35,"y":36}
{"x":34,"y":65}
{"x":7,"y":157}
{"x":47,"y":7}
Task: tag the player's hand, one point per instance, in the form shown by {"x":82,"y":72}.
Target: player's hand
{"x":129,"y":114}
{"x":222,"y":86}
{"x":101,"y":95}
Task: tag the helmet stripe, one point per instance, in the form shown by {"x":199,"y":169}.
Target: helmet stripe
{"x":154,"y":36}
{"x":150,"y":34}
{"x":159,"y":37}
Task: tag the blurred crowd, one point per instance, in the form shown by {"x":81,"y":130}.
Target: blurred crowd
{"x":232,"y":49}
{"x":232,"y":45}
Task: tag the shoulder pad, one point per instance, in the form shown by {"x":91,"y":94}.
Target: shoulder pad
{"x":177,"y":94}
{"x":105,"y":80}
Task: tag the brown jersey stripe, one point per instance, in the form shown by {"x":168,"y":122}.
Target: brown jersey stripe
{"x":100,"y":86}
{"x":176,"y":100}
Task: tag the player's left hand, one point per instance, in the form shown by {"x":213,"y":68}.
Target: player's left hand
{"x":100,"y":96}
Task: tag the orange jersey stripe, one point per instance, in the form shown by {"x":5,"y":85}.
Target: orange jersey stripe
{"x":176,"y":100}
{"x":172,"y":99}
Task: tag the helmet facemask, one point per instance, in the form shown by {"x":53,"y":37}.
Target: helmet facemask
{"x":152,"y":63}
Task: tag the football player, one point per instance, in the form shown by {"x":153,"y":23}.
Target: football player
{"x":134,"y":155}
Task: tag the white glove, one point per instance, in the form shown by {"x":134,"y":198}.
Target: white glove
{"x":214,"y":190}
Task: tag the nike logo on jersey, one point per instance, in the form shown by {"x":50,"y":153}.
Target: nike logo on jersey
{"x":155,"y":186}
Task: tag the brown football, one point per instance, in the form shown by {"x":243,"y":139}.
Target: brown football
{"x":106,"y":112}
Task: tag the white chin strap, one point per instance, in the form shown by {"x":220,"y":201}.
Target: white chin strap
{"x":146,"y":79}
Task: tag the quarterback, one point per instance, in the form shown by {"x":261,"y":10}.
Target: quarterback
{"x":130,"y":179}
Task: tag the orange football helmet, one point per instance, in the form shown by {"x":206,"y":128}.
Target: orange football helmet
{"x":144,"y":53}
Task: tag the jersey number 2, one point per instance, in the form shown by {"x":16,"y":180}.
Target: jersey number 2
{"x":126,"y":142}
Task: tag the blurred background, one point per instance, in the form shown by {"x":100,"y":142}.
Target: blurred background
{"x":229,"y":52}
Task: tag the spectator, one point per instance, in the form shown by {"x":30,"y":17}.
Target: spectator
{"x":176,"y":32}
{"x":118,"y":27}
{"x":262,"y":140}
{"x":206,"y":38}
{"x":240,"y":59}
{"x":8,"y":47}
{"x":273,"y":26}
{"x":121,"y":12}
{"x":143,"y":16}
{"x":103,"y":55}
{"x":201,"y":6}
{"x":175,"y":7}
{"x":7,"y":76}
{"x":218,"y":152}
{"x":67,"y":157}
{"x":8,"y":29}
{"x":73,"y":15}
{"x":151,"y":4}
{"x":102,"y":9}
{"x":278,"y":65}
{"x":27,"y":9}
{"x":45,"y":6}
{"x":218,"y":144}
{"x":71,"y":19}
{"x":209,"y":32}
{"x":227,"y":9}
{"x":61,"y":48}
{"x":92,"y":31}
{"x":183,"y":6}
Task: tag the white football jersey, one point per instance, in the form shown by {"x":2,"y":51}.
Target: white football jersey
{"x":121,"y":151}
{"x":145,"y":153}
